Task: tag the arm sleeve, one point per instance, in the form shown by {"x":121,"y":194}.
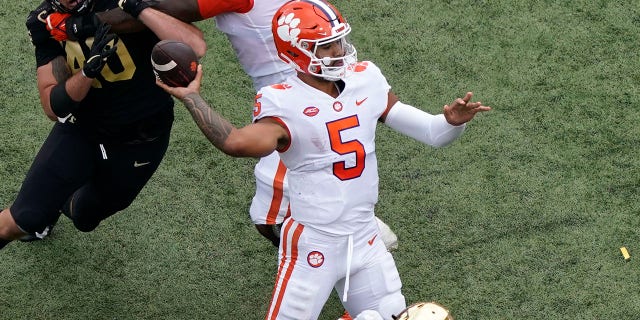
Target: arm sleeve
{"x":429,"y":129}
{"x":210,"y":9}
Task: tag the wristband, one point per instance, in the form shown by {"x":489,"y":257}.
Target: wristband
{"x":134,"y":7}
{"x":61,"y":103}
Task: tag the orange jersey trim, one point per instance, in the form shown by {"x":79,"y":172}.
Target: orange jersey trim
{"x":284,"y":125}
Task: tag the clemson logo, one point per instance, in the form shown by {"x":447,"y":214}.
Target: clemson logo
{"x":315,"y":259}
{"x":311,"y":111}
{"x":337,"y":106}
{"x":193,"y":66}
{"x":360,"y":66}
{"x":281,"y":86}
{"x":288,"y":28}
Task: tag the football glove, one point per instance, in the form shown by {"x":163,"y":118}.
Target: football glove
{"x":80,"y":27}
{"x":100,"y":51}
{"x":57,"y":25}
{"x":134,"y":7}
{"x":64,"y":26}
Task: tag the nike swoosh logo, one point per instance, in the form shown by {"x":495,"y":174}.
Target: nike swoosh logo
{"x":361,"y":101}
{"x":44,"y":233}
{"x":370,"y":242}
{"x":137,"y":164}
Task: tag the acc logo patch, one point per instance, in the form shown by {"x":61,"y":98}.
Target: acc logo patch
{"x":311,"y":111}
{"x":315,"y":259}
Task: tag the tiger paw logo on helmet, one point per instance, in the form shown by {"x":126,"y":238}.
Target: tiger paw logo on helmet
{"x":301,"y":26}
{"x":288,"y":28}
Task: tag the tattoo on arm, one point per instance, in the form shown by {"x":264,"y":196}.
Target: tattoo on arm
{"x":60,"y":69}
{"x":212,"y":124}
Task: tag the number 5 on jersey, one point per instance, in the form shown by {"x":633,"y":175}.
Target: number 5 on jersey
{"x":346,"y":147}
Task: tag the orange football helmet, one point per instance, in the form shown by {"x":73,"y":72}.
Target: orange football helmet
{"x":300,"y":26}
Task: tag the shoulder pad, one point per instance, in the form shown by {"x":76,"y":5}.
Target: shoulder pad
{"x":37,"y":25}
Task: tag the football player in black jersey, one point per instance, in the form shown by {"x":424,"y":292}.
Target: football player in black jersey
{"x":112,"y":122}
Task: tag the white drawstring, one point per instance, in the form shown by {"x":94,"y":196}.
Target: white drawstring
{"x":349,"y":256}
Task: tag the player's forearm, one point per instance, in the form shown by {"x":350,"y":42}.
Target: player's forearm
{"x":120,"y":21}
{"x":60,"y":92}
{"x":249,"y":141}
{"x":167,"y":27}
{"x":185,"y":10}
{"x":215,"y":127}
{"x":430,"y":129}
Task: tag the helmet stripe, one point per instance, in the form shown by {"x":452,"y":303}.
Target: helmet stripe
{"x":332,"y":16}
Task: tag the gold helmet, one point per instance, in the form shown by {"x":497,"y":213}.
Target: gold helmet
{"x":424,"y":311}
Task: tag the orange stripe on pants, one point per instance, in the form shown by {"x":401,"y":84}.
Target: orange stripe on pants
{"x":276,"y":302}
{"x":278,"y":193}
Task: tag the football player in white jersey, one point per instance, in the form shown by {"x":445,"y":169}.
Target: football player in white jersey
{"x":251,"y":38}
{"x":247,"y":25}
{"x":322,"y":121}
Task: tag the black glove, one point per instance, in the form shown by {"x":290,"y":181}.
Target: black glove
{"x":100,"y":51}
{"x":134,"y":7}
{"x":80,"y":27}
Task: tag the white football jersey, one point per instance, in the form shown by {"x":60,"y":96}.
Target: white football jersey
{"x":333,"y":172}
{"x":251,"y":38}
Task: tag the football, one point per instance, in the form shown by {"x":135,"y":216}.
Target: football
{"x":174,"y":63}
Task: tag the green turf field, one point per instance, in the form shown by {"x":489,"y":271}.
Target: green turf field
{"x":521,"y":218}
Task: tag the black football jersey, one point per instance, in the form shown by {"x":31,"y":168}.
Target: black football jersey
{"x":125,"y":92}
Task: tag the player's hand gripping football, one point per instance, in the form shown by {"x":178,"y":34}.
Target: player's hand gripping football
{"x":134,"y":7}
{"x":100,"y":51}
{"x":182,"y":92}
{"x":462,"y":111}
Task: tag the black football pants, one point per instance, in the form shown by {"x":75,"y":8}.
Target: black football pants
{"x":91,"y":180}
